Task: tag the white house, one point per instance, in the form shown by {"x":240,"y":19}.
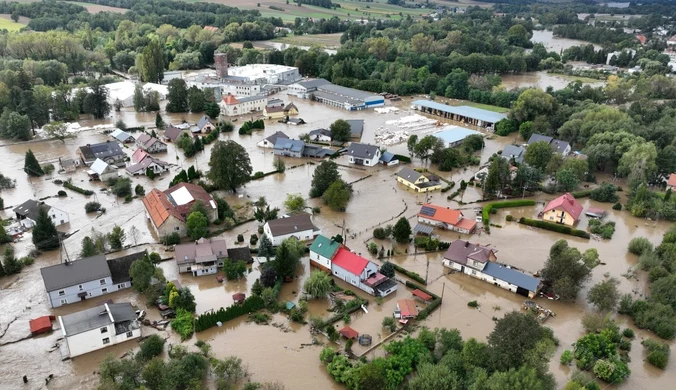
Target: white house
{"x":322,"y":251}
{"x":320,"y":135}
{"x":151,"y":144}
{"x":102,"y":171}
{"x":299,"y":226}
{"x":27,"y":213}
{"x":122,"y":136}
{"x":157,"y":166}
{"x":479,"y":262}
{"x":232,"y":106}
{"x":203,"y":257}
{"x":79,"y":280}
{"x":270,"y":141}
{"x":361,"y":273}
{"x":99,"y":327}
{"x":363,"y":154}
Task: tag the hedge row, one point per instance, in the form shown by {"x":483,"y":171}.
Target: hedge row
{"x":260,"y":175}
{"x":339,"y":316}
{"x":208,"y":320}
{"x":486,"y":211}
{"x":555,"y":227}
{"x":410,"y":274}
{"x":77,"y":189}
{"x":432,"y":306}
{"x":582,"y":194}
{"x":402,"y":158}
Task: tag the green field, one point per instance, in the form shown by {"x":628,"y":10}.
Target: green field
{"x":487,"y":107}
{"x":10,"y":25}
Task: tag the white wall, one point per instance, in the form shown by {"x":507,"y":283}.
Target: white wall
{"x":92,"y":340}
{"x":321,"y":260}
{"x":301,"y":235}
{"x":93,"y":288}
{"x":480,"y":275}
{"x":58,"y":216}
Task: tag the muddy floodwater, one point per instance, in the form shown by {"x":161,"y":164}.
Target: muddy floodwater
{"x":557,"y":44}
{"x":377,"y":200}
{"x":541,"y":80}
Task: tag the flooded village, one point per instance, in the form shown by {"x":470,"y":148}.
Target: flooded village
{"x":479,"y":269}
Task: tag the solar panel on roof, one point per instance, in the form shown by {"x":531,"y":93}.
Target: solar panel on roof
{"x":429,"y":211}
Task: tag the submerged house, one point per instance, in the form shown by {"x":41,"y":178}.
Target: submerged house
{"x":417,"y":181}
{"x":99,"y":327}
{"x":270,"y":141}
{"x":299,"y":226}
{"x":479,"y":262}
{"x":445,"y":218}
{"x":564,"y":210}
{"x":561,"y":147}
{"x":102,"y":171}
{"x":363,"y":154}
{"x":108,"y":151}
{"x":322,"y":251}
{"x":168,"y":210}
{"x":122,"y":136}
{"x":361,"y":273}
{"x":27,"y":213}
{"x":289,"y":147}
{"x":151,"y":144}
{"x":203,"y":257}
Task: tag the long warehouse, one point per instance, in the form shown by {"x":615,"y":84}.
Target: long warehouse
{"x":465,"y":114}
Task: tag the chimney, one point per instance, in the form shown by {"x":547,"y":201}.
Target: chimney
{"x":466,"y":244}
{"x":221,"y":64}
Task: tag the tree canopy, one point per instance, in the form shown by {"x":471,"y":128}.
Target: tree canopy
{"x":230,"y":165}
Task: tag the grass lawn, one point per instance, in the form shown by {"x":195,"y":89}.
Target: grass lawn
{"x":487,"y":107}
{"x":324,"y":40}
{"x":10,"y":25}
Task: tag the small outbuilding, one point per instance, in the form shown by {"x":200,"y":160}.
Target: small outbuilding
{"x":239,"y":298}
{"x":348,"y":333}
{"x":41,"y":324}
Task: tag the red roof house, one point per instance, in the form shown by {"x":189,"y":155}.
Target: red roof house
{"x":41,"y":324}
{"x":671,"y":183}
{"x":230,"y":100}
{"x":445,"y":218}
{"x":422,"y":295}
{"x":168,"y":210}
{"x":564,"y":209}
{"x":407,"y":308}
{"x":350,"y":262}
{"x":348,"y":333}
{"x":641,"y":38}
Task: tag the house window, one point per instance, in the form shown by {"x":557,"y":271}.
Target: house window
{"x":102,"y":282}
{"x":64,"y":301}
{"x":177,"y":228}
{"x":62,"y":293}
{"x":121,"y":285}
{"x":104,"y":290}
{"x":104,"y":330}
{"x":80,"y":288}
{"x":130,"y":334}
{"x":106,"y":341}
{"x":473,"y":272}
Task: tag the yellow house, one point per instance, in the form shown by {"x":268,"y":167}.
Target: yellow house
{"x":417,"y":181}
{"x":274,"y":112}
{"x":564,"y":210}
{"x":290,"y":110}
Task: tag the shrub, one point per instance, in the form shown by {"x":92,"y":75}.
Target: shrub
{"x":240,"y":238}
{"x":61,"y":193}
{"x":151,"y":347}
{"x":628,"y":333}
{"x":26,"y":260}
{"x":183,"y":323}
{"x":253,"y":240}
{"x":617,"y":206}
{"x":605,"y":193}
{"x":316,"y":210}
{"x":171,"y":239}
{"x":258,"y":175}
{"x":379,"y":233}
{"x":139,"y":190}
{"x":390,"y":324}
{"x":605,"y":230}
{"x":473,"y":304}
{"x":509,"y":218}
{"x":640,"y":245}
{"x":553,"y":227}
{"x":581,"y":194}
{"x":91,"y":207}
{"x":128,"y":198}
{"x":410,"y":274}
{"x":77,"y":189}
{"x":209,"y":319}
{"x":567,"y":357}
{"x":658,"y":353}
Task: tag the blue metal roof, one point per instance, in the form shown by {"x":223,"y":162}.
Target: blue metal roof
{"x":387,"y":157}
{"x":467,"y":111}
{"x":293,"y":145}
{"x":453,"y":134}
{"x":512,"y":276}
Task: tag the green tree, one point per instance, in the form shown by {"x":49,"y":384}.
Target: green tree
{"x":325,"y":174}
{"x":265,"y":248}
{"x":338,"y":195}
{"x":532,"y":103}
{"x":526,"y":130}
{"x":473,"y":142}
{"x":340,"y":131}
{"x":117,"y":237}
{"x":318,"y":284}
{"x":517,"y":35}
{"x":410,"y":144}
{"x":45,"y":235}
{"x":520,"y":378}
{"x":604,"y":295}
{"x":639,"y":163}
{"x":430,"y":376}
{"x":280,"y":166}
{"x":287,"y":258}
{"x":15,"y":126}
{"x":514,"y":336}
{"x":212,"y":109}
{"x":177,"y":96}
{"x":159,"y":122}
{"x":150,"y":63}
{"x":566,"y":270}
{"x":196,"y":225}
{"x":294,"y":202}
{"x":196,"y":100}
{"x":155,"y":374}
{"x":580,"y":167}
{"x":141,"y":272}
{"x":230,"y":165}
{"x":11,"y":265}
{"x":139,"y":99}
{"x":387,"y":269}
{"x":89,"y":248}
{"x":402,"y":231}
{"x":151,"y":347}
{"x":498,"y":175}
{"x":31,"y":165}
{"x":96,"y":101}
{"x":426,"y":146}
{"x":566,"y":180}
{"x":56,"y":130}
{"x":538,"y":155}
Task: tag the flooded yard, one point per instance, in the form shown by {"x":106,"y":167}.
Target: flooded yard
{"x":377,"y":200}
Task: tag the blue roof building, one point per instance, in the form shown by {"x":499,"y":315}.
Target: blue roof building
{"x":466,"y":114}
{"x":388,"y":159}
{"x":289,"y":147}
{"x":512,"y":276}
{"x":454,"y":135}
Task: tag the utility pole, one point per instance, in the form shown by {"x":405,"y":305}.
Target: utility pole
{"x":443,"y":289}
{"x":427,"y":270}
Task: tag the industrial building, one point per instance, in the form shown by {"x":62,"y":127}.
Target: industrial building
{"x":346,"y":98}
{"x":465,"y":114}
{"x":453,"y":136}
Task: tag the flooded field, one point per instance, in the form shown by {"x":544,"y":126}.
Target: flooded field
{"x":376,"y":201}
{"x":556,"y":44}
{"x":543,"y":80}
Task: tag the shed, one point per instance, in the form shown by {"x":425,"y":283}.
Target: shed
{"x":595,"y":212}
{"x":422,"y":295}
{"x":41,"y":324}
{"x":407,"y":308}
{"x":348,"y":333}
{"x":424,"y":230}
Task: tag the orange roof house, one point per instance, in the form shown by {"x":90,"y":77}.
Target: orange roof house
{"x":564,"y":209}
{"x":445,"y":218}
{"x":407,"y":308}
{"x":168,"y":210}
{"x":671,"y":182}
{"x":230,"y":100}
{"x":348,"y":333}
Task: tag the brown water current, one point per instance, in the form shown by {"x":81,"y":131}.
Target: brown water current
{"x":271,"y":353}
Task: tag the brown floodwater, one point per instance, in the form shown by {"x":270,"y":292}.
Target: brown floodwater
{"x":556,"y":44}
{"x":377,"y":200}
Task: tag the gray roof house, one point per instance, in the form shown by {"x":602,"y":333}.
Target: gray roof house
{"x":356,"y":128}
{"x":98,"y":327}
{"x":270,"y":141}
{"x":27,"y":213}
{"x":514,"y":152}
{"x":363,"y":154}
{"x":172,"y":133}
{"x":108,"y":151}
{"x":203,"y":257}
{"x":557,"y":146}
{"x":151,"y":144}
{"x":322,"y":135}
{"x":76,"y":281}
{"x":122,"y":136}
{"x":299,"y":226}
{"x":289,"y":147}
{"x":204,"y":125}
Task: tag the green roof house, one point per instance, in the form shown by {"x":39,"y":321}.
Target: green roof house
{"x":322,"y":251}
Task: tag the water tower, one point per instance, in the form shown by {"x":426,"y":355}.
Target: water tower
{"x":221,"y":64}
